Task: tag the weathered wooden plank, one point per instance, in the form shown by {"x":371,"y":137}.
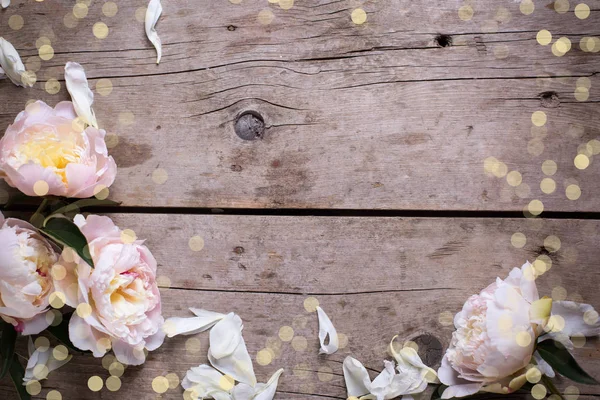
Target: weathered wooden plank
{"x":372,"y":116}
{"x":375,"y":277}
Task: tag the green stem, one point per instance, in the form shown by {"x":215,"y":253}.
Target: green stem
{"x":553,"y":389}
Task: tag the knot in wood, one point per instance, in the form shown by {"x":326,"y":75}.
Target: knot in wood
{"x":250,"y":125}
{"x":430,"y":349}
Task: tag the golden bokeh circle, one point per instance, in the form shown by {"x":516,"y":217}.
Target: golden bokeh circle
{"x":113,"y":383}
{"x":573,"y":192}
{"x":100,"y":30}
{"x":57,"y":299}
{"x":518,"y":240}
{"x":359,"y":16}
{"x":549,"y":167}
{"x":535,"y":207}
{"x":16,"y":22}
{"x":539,"y":118}
{"x":33,"y":387}
{"x":581,"y":161}
{"x":160,"y":176}
{"x":538,"y":391}
{"x":193,"y":345}
{"x":299,"y":343}
{"x":265,"y":17}
{"x":559,"y":293}
{"x":311,"y":304}
{"x":80,"y":10}
{"x":561,"y":6}
{"x":552,"y":243}
{"x":547,"y":185}
{"x":41,"y":188}
{"x":46,"y":52}
{"x":173,"y":379}
{"x":526,"y":7}
{"x":465,"y":12}
{"x":53,"y":395}
{"x":104,"y":87}
{"x":110,"y":9}
{"x":514,"y":178}
{"x":60,"y":352}
{"x":160,"y":384}
{"x":52,"y":86}
{"x":286,"y":333}
{"x":196,"y":243}
{"x":571,"y":393}
{"x":116,"y":369}
{"x":285,"y":4}
{"x":264,"y":357}
{"x":95,"y":383}
{"x":128,"y":236}
{"x":544,"y":37}
{"x":582,"y":11}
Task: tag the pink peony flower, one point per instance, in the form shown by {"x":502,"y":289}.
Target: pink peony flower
{"x":26,"y":260}
{"x":118,"y":302}
{"x":494,"y":337}
{"x":49,"y":147}
{"x":497,"y":330}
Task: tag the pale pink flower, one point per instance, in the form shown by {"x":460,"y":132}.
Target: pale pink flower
{"x":49,"y":145}
{"x":118,"y":302}
{"x":496,"y":333}
{"x":26,"y":260}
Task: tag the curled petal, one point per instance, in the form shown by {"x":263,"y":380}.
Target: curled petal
{"x":5,"y":3}
{"x":461,"y":390}
{"x":46,"y":358}
{"x":543,"y":366}
{"x":82,"y":96}
{"x":267,"y":391}
{"x":356,"y":377}
{"x":203,"y":321}
{"x":10,"y":62}
{"x":326,"y":328}
{"x":152,"y":15}
{"x":540,"y":310}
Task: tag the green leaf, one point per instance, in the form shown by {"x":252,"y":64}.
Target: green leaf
{"x":65,"y":232}
{"x":559,"y":358}
{"x":17,"y":373}
{"x":61,"y":333}
{"x":7,"y":347}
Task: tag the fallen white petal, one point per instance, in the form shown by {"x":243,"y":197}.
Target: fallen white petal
{"x":5,"y":3}
{"x":82,"y":96}
{"x":205,"y":381}
{"x":238,"y":364}
{"x":356,"y":377}
{"x":37,"y":357}
{"x":152,"y":15}
{"x":267,"y":391}
{"x":226,"y":336}
{"x":262,"y":391}
{"x":326,"y":328}
{"x":11,"y":64}
{"x":1,"y":73}
{"x":203,"y":321}
{"x":411,"y":365}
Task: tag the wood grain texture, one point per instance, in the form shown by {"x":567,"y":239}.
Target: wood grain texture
{"x":375,"y":277}
{"x":376,"y":116}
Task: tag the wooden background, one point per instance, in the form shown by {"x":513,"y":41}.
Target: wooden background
{"x":367,"y":190}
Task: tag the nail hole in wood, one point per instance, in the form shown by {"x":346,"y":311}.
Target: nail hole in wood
{"x":231,"y":28}
{"x":549,"y":99}
{"x":443,"y":40}
{"x":250,"y":125}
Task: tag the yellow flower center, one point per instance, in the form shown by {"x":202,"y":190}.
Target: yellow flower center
{"x":46,"y":148}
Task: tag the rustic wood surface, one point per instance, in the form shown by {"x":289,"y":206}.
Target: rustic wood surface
{"x":358,"y":117}
{"x":375,"y":277}
{"x":379,"y":116}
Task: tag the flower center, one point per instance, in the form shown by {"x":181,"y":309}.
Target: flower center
{"x":45,"y":147}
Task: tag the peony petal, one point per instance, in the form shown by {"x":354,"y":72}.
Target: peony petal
{"x":267,"y":392}
{"x":205,"y":377}
{"x":226,"y":336}
{"x":84,"y":337}
{"x":82,"y":96}
{"x":35,"y":325}
{"x":461,"y":390}
{"x":448,"y":375}
{"x":10,"y":61}
{"x":326,"y":328}
{"x":46,"y":358}
{"x":128,"y":354}
{"x":543,"y":366}
{"x":356,"y":377}
{"x":155,"y":341}
{"x":152,"y":15}
{"x":574,"y":315}
{"x":238,"y":365}
{"x":5,"y":3}
{"x":65,"y":110}
{"x":528,"y":286}
{"x":203,"y":321}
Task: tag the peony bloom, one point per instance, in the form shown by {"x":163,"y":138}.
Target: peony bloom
{"x":26,"y":260}
{"x":496,"y":332}
{"x":49,"y":145}
{"x":118,"y":302}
